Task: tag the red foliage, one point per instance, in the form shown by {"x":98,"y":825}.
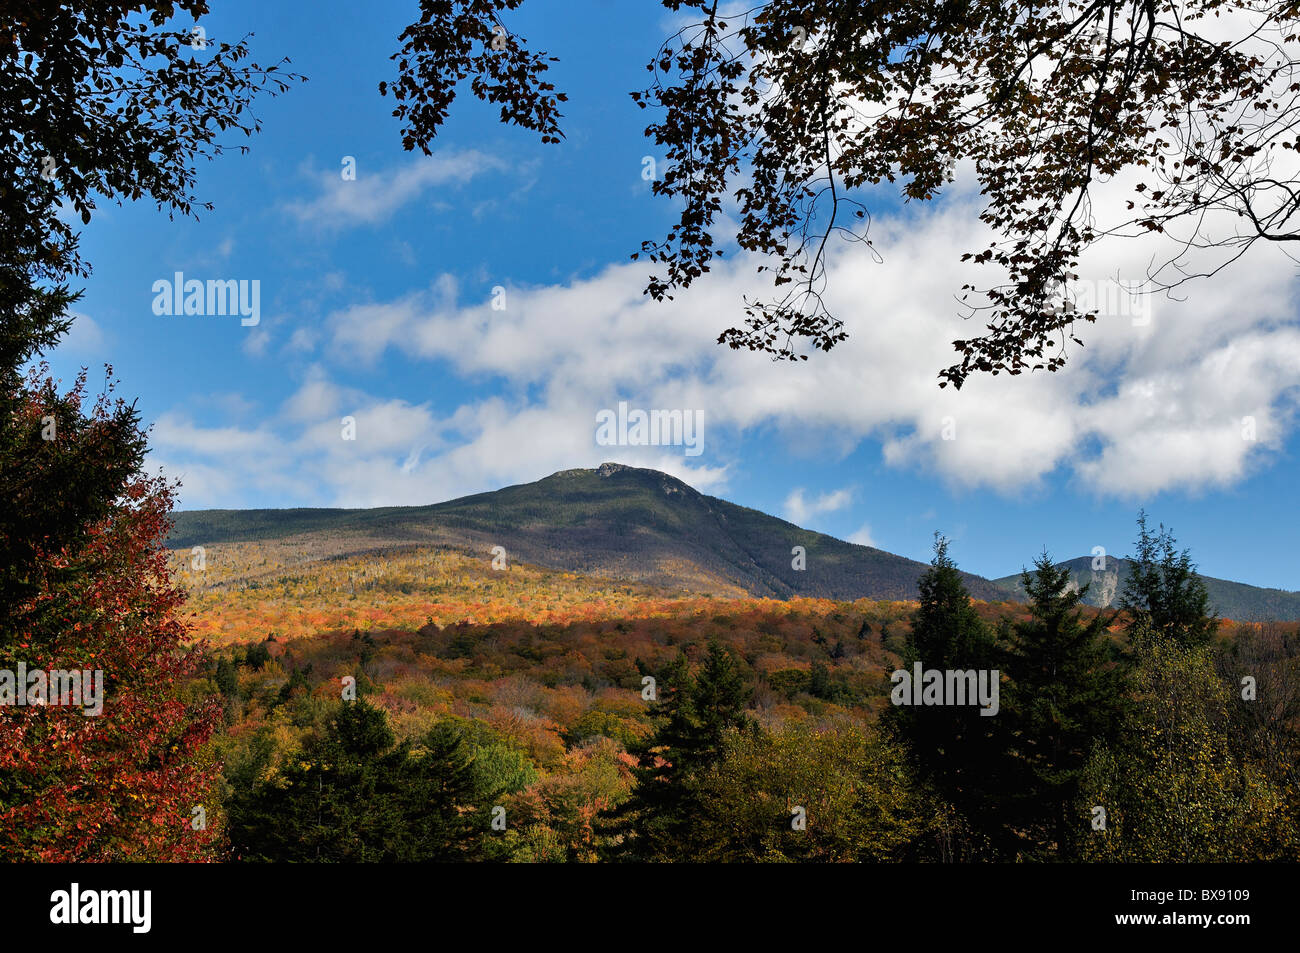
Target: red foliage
{"x":122,"y":785}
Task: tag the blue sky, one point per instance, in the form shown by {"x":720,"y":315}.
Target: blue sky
{"x":376,"y":304}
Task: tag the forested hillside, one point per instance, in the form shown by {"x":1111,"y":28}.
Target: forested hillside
{"x":1231,"y":600}
{"x":615,"y":521}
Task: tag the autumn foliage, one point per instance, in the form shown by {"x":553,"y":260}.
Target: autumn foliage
{"x":94,"y":594}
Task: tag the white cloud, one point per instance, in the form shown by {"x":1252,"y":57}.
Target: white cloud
{"x":176,"y":432}
{"x":863,"y":536}
{"x":375,"y":194}
{"x":302,"y":341}
{"x":85,"y":338}
{"x":256,"y":342}
{"x":799,"y":510}
{"x":315,"y":399}
{"x":1141,"y":409}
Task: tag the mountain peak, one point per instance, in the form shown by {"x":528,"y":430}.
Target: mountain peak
{"x":606,"y":469}
{"x":614,"y":521}
{"x":1232,"y":600}
{"x":647,"y":476}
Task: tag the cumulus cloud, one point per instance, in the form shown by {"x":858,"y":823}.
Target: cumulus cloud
{"x":1179,"y":394}
{"x":85,"y":338}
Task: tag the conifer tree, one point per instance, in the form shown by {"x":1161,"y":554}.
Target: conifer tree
{"x":1064,"y":698}
{"x":1163,"y":593}
{"x":953,"y":747}
{"x":357,"y":795}
{"x":692,"y":715}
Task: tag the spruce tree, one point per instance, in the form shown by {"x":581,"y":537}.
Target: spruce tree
{"x":1163,"y":593}
{"x":953,"y":747}
{"x":1064,"y":697}
{"x":692,"y":715}
{"x":357,"y":795}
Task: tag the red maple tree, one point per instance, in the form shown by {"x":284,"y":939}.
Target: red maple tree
{"x":95,"y":595}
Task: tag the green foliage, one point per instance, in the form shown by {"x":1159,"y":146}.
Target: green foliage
{"x":857,"y":798}
{"x":788,"y":681}
{"x":1163,"y":594}
{"x":691,"y":717}
{"x":952,"y":746}
{"x":227,"y":678}
{"x":546,"y":720}
{"x":1173,"y":788}
{"x":357,"y":795}
{"x":257,"y":656}
{"x":502,"y":769}
{"x":623,"y":724}
{"x":1063,"y":699}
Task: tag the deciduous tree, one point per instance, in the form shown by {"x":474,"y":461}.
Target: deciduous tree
{"x":785,"y":117}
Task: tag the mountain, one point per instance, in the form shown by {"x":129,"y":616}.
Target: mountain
{"x":614,"y":521}
{"x":1231,"y":600}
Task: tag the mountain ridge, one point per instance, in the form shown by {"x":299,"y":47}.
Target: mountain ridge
{"x":644,"y":525}
{"x":614,"y":520}
{"x":1239,"y":601}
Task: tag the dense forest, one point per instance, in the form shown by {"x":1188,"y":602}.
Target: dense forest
{"x":330,"y":685}
{"x":756,"y":730}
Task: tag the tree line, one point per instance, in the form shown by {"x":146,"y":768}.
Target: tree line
{"x":1132,"y":735}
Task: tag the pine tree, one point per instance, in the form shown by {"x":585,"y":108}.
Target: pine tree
{"x":1064,"y":697}
{"x":357,"y":795}
{"x":692,"y":716}
{"x":1163,"y":593}
{"x":227,"y":677}
{"x":953,"y":747}
{"x":819,"y":680}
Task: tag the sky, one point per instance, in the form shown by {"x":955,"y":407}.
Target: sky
{"x":473,"y":312}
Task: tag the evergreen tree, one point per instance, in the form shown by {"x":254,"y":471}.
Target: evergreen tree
{"x":819,"y":680}
{"x":719,"y":698}
{"x":1163,"y":593}
{"x":692,"y":716}
{"x":1063,"y":699}
{"x":257,"y":656}
{"x":953,"y":747}
{"x":356,"y":795}
{"x":227,"y":678}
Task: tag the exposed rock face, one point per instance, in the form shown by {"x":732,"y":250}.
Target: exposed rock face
{"x":1104,"y":586}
